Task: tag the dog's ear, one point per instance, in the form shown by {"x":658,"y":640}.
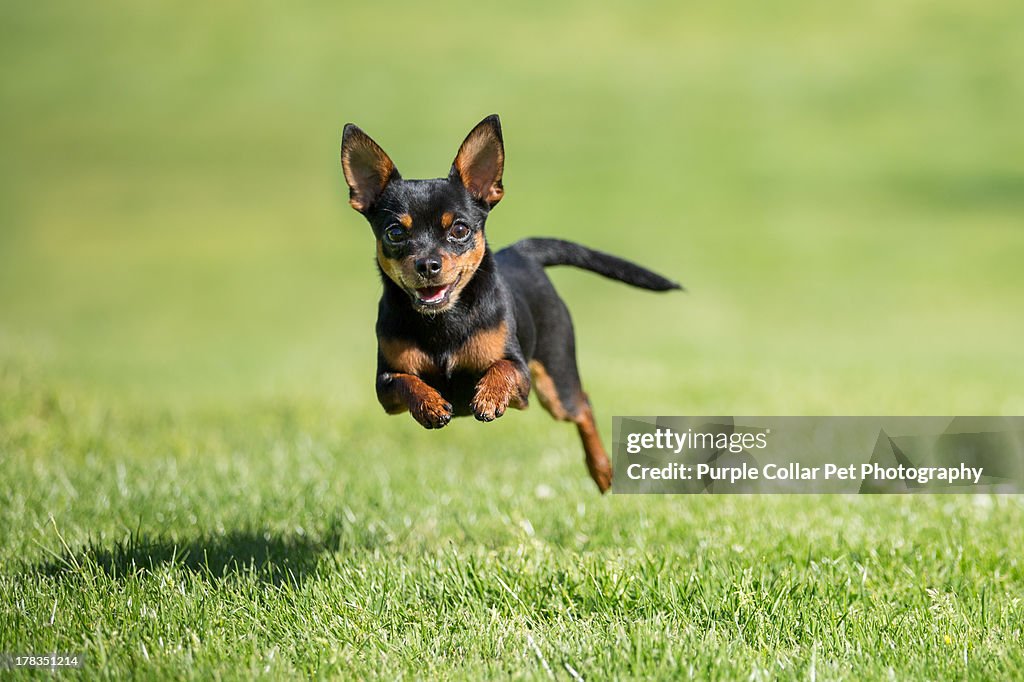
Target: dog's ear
{"x":480,"y":161}
{"x":367,"y":168}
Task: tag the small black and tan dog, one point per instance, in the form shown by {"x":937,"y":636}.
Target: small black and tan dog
{"x":460,"y":330}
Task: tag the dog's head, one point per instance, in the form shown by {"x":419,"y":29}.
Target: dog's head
{"x":430,"y":233}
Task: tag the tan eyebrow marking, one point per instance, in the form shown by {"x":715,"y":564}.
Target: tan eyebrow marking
{"x":447,"y":219}
{"x":406,"y":220}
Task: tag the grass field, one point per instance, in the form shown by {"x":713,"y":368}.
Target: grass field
{"x":198,"y":482}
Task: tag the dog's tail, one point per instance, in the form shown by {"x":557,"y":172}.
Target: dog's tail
{"x":559,"y":252}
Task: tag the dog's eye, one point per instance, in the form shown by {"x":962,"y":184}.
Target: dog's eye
{"x":395,"y":234}
{"x":459,"y":232}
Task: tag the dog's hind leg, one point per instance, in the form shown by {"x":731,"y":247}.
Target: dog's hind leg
{"x":556,"y":382}
{"x":598,"y":464}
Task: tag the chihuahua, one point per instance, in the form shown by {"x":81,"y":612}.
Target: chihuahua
{"x":462,"y":330}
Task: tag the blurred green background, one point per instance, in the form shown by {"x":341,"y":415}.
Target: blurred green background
{"x":840,"y":187}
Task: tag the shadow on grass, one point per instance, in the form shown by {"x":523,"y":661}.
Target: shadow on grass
{"x":267,"y":556}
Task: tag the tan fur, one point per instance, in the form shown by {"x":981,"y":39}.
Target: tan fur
{"x":391,"y":268}
{"x":502,"y":386}
{"x":447,"y":219}
{"x":404,"y":356}
{"x":547,"y":394}
{"x":408,"y":392}
{"x":362,"y":186}
{"x":482,"y":349}
{"x":482,"y":180}
{"x":464,"y":266}
{"x":406,"y":220}
{"x":598,"y":465}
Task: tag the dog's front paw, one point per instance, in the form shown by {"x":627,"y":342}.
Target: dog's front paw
{"x":503,"y":384}
{"x":432,"y":412}
{"x":490,"y":402}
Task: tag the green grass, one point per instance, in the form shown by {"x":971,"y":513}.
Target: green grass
{"x":197,"y":481}
{"x":281,"y":539}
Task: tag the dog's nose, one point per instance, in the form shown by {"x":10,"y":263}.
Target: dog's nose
{"x":428,"y":267}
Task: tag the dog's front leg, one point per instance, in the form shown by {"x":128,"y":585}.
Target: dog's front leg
{"x":505,"y":383}
{"x":398,"y":392}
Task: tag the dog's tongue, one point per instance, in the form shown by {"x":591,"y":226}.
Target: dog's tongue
{"x":432,"y":294}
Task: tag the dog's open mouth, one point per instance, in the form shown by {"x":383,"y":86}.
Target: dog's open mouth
{"x":436,"y":296}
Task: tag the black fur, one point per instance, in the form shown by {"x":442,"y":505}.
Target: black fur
{"x":548,"y":251}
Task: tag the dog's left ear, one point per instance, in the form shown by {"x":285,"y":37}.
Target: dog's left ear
{"x":480,"y":161}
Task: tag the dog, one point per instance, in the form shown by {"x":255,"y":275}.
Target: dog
{"x":462,"y":330}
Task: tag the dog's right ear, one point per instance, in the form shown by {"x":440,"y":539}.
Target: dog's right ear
{"x":367,"y":168}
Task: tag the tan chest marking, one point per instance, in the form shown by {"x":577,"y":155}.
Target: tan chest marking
{"x":481,"y":350}
{"x":404,"y":356}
